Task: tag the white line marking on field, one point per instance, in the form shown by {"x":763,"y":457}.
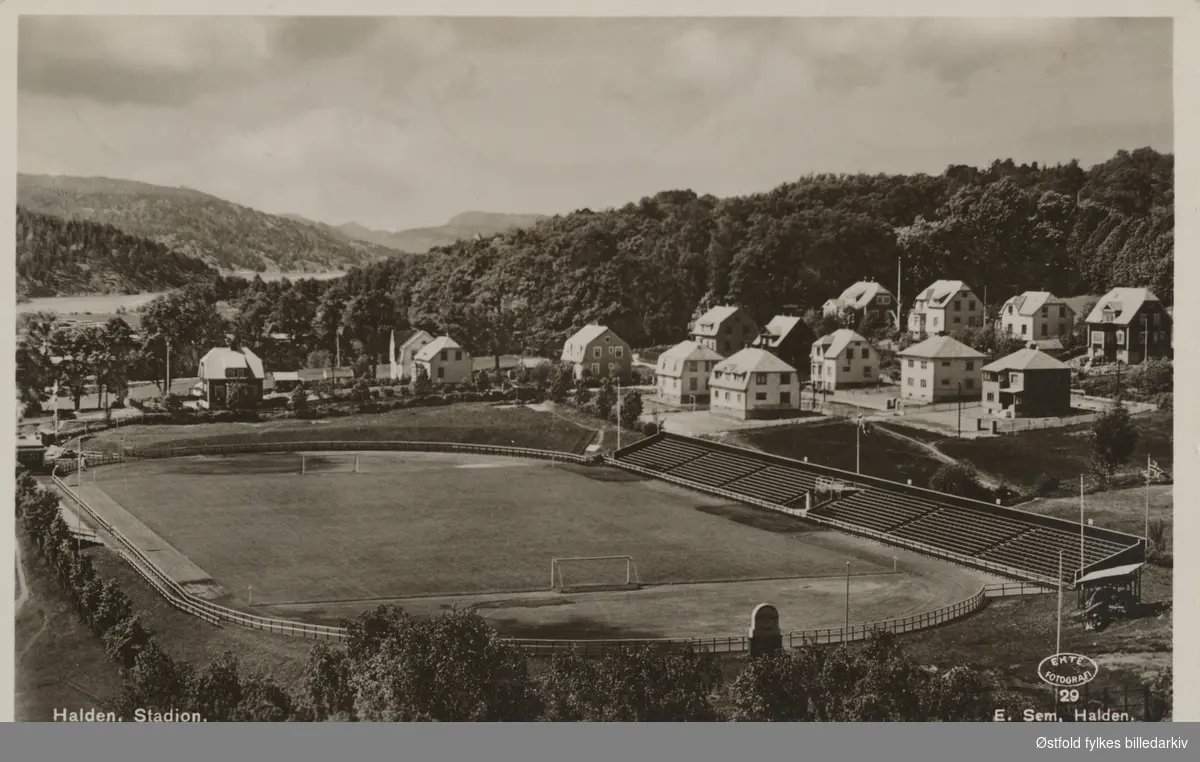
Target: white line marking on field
{"x":512,"y":464}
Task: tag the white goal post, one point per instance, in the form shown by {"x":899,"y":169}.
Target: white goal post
{"x":593,"y":573}
{"x":315,"y":464}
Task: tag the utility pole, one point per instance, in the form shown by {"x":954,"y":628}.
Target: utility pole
{"x":960,"y":409}
{"x":899,"y":260}
{"x":1081,"y":535}
{"x":167,"y":391}
{"x":618,"y":412}
{"x":846,"y":637}
{"x":1146,"y":340}
{"x":1058,"y":637}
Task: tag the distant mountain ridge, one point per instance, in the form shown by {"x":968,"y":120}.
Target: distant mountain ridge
{"x":459,"y":227}
{"x":219,"y":233}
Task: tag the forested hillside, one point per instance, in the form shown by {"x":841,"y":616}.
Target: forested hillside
{"x":643,"y":269}
{"x":57,"y":257}
{"x":218,"y":232}
{"x":460,"y":227}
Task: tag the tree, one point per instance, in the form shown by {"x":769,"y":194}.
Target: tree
{"x":156,"y":682}
{"x":421,"y":383}
{"x":642,"y":684}
{"x":217,"y":689}
{"x":776,"y":687}
{"x":125,"y":640}
{"x":483,"y":381}
{"x":326,"y":683}
{"x":1114,"y":438}
{"x":241,"y":396}
{"x":450,"y":668}
{"x":631,"y":409}
{"x":958,"y":479}
{"x":298,"y":400}
{"x":561,"y":377}
{"x":361,"y":391}
{"x":606,"y":398}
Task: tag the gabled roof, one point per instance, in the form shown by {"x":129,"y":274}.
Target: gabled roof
{"x":430,"y":350}
{"x":942,"y":348}
{"x":833,"y":344}
{"x":1125,"y":303}
{"x":862,"y":293}
{"x":941,"y":290}
{"x":779,"y":328}
{"x":690,"y":350}
{"x":416,"y":337}
{"x":734,"y":372}
{"x":588,"y":334}
{"x":219,"y":359}
{"x":1029,"y":302}
{"x":1026,"y":359}
{"x":714,"y":317}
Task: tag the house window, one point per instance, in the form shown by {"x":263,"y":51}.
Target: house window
{"x":760,"y":378}
{"x":444,"y":354}
{"x":785,"y":378}
{"x":970,"y":365}
{"x":692,"y":383}
{"x":910,"y":381}
{"x":883,"y":299}
{"x":924,"y":364}
{"x":595,"y":369}
{"x":458,"y":354}
{"x":971,"y":305}
{"x":1044,"y":328}
{"x":845,"y":368}
{"x":596,"y":353}
{"x":945,"y":363}
{"x":866,"y":352}
{"x":923,"y":384}
{"x":910,"y":363}
{"x":236,"y":373}
{"x":441,"y":372}
{"x":760,"y":396}
{"x":785,"y":398}
{"x":969,"y":383}
{"x":1156,"y":317}
{"x":945,"y":382}
{"x":1010,"y":309}
{"x":1045,"y":311}
{"x":1120,"y":338}
{"x":726,"y":396}
{"x":991,"y":397}
{"x":611,"y":351}
{"x":935,"y":321}
{"x":1062,"y":311}
{"x":866,"y":371}
{"x":957,"y":306}
{"x":692,"y":365}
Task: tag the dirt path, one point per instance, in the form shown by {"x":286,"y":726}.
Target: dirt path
{"x":23,"y":598}
{"x":985,"y":478}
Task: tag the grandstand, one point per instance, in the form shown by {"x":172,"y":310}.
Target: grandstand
{"x":1003,"y":540}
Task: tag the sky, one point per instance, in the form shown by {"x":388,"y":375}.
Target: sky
{"x":405,"y":122}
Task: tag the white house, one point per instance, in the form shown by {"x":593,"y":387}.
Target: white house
{"x":843,"y":359}
{"x":754,"y":384}
{"x":401,"y":362}
{"x":948,"y":307}
{"x":863,"y":298}
{"x":444,"y":360}
{"x":600,"y":352}
{"x":682,"y":373}
{"x":224,"y":367}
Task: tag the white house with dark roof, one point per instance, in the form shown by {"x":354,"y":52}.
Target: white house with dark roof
{"x":940,"y":368}
{"x":407,"y":346}
{"x":1027,"y":382}
{"x":222,"y":368}
{"x":683,"y":371}
{"x":725,"y":329}
{"x":595,"y":350}
{"x":1037,"y":316}
{"x":754,"y":384}
{"x":862,"y":298}
{"x":1127,"y":324}
{"x":948,"y":307}
{"x":444,"y":360}
{"x":843,"y":359}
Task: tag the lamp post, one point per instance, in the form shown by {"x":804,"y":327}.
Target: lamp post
{"x":960,"y":409}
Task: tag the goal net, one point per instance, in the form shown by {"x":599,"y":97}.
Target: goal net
{"x":329,"y":463}
{"x":593,"y":573}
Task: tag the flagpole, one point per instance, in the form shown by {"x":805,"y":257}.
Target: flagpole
{"x":618,"y":412}
{"x":1146,"y":526}
{"x":1058,"y":637}
{"x":858,"y":446}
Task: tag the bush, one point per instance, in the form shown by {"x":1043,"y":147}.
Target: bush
{"x":1045,"y":484}
{"x":389,"y":392}
{"x":650,"y":428}
{"x":958,"y":479}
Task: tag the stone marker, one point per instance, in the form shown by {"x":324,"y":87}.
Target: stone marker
{"x":765,"y":635}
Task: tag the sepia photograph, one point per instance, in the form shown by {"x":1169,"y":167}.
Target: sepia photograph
{"x":594,"y":369}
